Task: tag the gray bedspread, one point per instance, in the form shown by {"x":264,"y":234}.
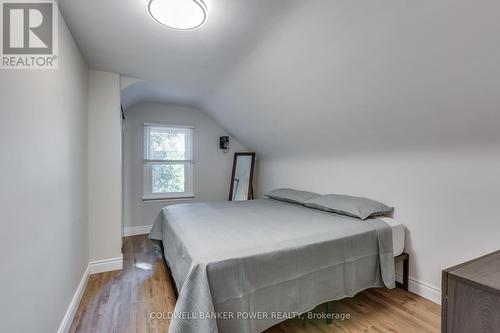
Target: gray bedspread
{"x":244,"y":266}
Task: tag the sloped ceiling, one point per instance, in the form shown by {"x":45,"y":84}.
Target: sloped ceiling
{"x":120,"y":36}
{"x":320,"y":76}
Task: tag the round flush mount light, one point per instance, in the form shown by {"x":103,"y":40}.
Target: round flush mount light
{"x":180,"y":15}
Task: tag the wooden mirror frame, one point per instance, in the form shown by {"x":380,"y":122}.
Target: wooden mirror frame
{"x":250,"y":185}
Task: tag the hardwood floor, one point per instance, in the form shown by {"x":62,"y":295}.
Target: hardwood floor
{"x":122,"y":301}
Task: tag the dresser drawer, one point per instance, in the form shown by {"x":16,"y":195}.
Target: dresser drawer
{"x":471,"y":296}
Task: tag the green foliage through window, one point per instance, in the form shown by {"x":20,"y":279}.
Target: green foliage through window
{"x":168,"y":178}
{"x":168,"y":146}
{"x":168,"y":161}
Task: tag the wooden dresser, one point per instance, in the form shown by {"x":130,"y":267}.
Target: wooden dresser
{"x":471,"y":296}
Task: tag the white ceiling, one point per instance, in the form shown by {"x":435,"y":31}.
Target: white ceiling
{"x":120,"y":36}
{"x":315,"y":76}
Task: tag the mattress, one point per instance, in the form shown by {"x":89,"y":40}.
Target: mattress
{"x":398,"y":234}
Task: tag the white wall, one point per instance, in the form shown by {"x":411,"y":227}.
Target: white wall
{"x":395,"y":100}
{"x":44,"y":239}
{"x":446,"y":198}
{"x":104,"y":166}
{"x":212,"y":169}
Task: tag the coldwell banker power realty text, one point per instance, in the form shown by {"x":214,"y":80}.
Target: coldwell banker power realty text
{"x":29,"y":34}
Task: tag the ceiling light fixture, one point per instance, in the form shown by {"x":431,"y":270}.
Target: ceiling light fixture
{"x":178,"y":14}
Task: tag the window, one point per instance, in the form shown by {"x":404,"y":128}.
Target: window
{"x":168,"y":162}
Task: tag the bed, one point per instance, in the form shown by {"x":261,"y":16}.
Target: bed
{"x":245,"y":266}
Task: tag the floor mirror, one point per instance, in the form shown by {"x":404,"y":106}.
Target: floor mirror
{"x":242,"y":176}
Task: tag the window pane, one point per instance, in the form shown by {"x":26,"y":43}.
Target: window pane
{"x":168,"y":145}
{"x":168,"y":178}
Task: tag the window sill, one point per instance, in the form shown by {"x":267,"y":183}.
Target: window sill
{"x":169,"y":199}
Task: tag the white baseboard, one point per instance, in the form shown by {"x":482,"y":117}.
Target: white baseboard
{"x":107,"y":265}
{"x":93,"y":267}
{"x":75,"y":301}
{"x":423,"y":289}
{"x":132,"y":231}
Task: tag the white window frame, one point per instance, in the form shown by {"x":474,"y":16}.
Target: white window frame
{"x":148,"y":194}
